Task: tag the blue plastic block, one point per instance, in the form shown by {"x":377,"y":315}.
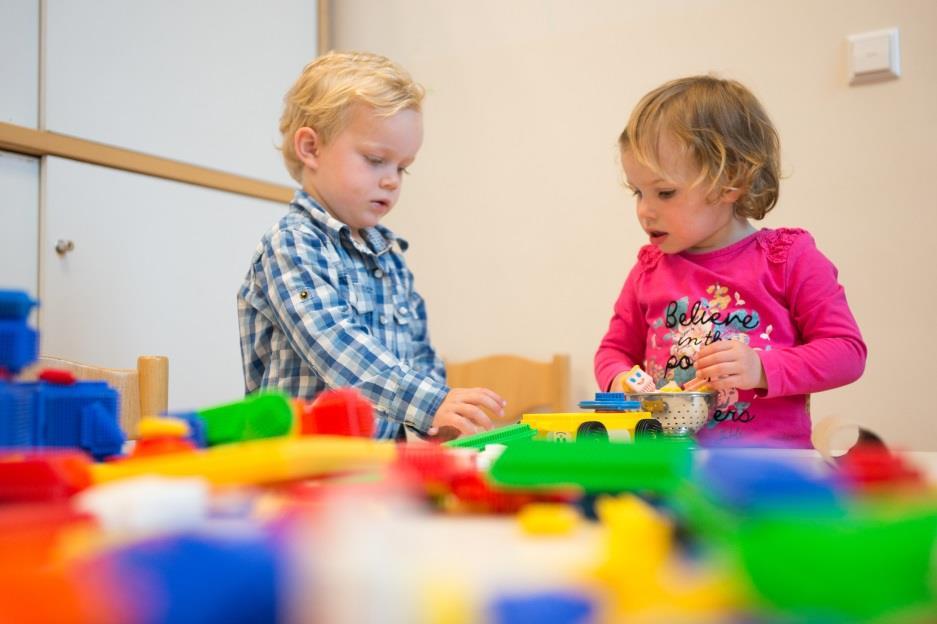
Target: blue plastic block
{"x":201,"y":579}
{"x":748,"y":483}
{"x":17,"y":406}
{"x":15,"y":304}
{"x":543,"y":608}
{"x":19,"y":345}
{"x":82,"y":415}
{"x":196,"y":427}
{"x":611,"y":402}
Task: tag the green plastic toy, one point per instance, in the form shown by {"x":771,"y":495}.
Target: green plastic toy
{"x":262,"y":415}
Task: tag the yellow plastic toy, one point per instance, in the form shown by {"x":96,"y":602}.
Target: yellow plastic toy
{"x":612,"y":426}
{"x":269,"y":460}
{"x":548,"y":518}
{"x":656,"y":585}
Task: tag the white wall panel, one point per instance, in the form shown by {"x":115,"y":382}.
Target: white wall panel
{"x":155,"y":269}
{"x":201,"y":82}
{"x":19,"y":62}
{"x":19,"y":222}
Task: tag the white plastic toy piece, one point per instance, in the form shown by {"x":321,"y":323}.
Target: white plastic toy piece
{"x":639,"y":381}
{"x":145,"y":505}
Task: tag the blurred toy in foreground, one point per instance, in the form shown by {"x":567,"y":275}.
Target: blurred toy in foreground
{"x":56,"y":410}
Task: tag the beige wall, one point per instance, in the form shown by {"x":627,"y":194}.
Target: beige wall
{"x":522,"y":233}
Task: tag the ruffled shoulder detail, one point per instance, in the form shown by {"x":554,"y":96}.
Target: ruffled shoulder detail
{"x":649,"y":256}
{"x":777,"y":243}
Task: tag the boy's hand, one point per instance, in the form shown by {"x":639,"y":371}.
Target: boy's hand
{"x":730,"y":364}
{"x":462,"y":409}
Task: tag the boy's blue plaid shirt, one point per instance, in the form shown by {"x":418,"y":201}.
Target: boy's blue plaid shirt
{"x":318,"y":310}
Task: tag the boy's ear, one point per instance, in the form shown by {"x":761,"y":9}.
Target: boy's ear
{"x":306,"y":144}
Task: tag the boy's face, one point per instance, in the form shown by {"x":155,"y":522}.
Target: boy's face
{"x":676,"y":214}
{"x":358,"y":174}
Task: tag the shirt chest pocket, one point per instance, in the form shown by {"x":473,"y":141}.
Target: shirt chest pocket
{"x":361,"y":302}
{"x":402,"y":312}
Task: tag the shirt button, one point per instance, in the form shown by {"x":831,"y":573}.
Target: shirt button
{"x":383,"y":320}
{"x":403,"y":310}
{"x":378,"y":273}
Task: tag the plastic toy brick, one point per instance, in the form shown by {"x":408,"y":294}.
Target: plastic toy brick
{"x":259,"y":461}
{"x":611,"y":402}
{"x":869,"y":467}
{"x":639,"y":569}
{"x":431,"y":466}
{"x":83,"y":415}
{"x":19,"y":344}
{"x":147,"y":504}
{"x":344,"y":411}
{"x":43,"y":475}
{"x":233,"y":576}
{"x":655,"y":466}
{"x":519,"y":432}
{"x":15,"y":304}
{"x":161,"y":435}
{"x":548,"y":519}
{"x":80,"y":415}
{"x":262,"y":415}
{"x":57,"y":376}
{"x":749,"y":483}
{"x":846,"y":555}
{"x":547,"y":607}
{"x":196,"y":427}
{"x":473,"y":492}
{"x":30,"y":532}
{"x":639,"y":381}
{"x":17,"y":415}
{"x":606,"y":424}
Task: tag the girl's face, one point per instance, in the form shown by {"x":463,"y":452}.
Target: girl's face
{"x":676,"y":215}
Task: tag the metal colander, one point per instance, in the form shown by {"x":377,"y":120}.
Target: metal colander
{"x":679,"y":413}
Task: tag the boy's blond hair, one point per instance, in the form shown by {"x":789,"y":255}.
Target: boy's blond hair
{"x":331,"y":84}
{"x":724,"y":130}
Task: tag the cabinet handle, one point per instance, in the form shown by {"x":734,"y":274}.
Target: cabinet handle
{"x":62,"y":247}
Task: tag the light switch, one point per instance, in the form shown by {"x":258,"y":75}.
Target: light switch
{"x":874,"y":56}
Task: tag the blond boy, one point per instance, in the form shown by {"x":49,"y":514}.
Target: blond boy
{"x":328,"y":300}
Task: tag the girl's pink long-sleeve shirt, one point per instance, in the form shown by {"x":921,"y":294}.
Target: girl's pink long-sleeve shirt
{"x":774,"y":291}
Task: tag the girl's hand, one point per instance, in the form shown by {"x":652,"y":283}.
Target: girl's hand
{"x":618,"y":384}
{"x":462,"y":409}
{"x":730,"y":364}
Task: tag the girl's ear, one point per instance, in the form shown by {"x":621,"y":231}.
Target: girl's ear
{"x":306,"y":145}
{"x":731,"y":194}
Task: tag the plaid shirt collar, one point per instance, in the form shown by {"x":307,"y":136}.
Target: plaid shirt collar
{"x":379,"y":239}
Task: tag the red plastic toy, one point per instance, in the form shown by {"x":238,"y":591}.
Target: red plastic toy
{"x":343,"y":412}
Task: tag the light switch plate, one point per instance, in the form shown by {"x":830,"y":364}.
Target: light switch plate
{"x":874,"y":56}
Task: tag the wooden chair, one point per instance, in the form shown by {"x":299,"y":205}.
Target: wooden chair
{"x":144,"y":390}
{"x":527,"y":385}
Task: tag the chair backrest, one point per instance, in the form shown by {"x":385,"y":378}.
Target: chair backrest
{"x":527,"y":385}
{"x":144,"y":390}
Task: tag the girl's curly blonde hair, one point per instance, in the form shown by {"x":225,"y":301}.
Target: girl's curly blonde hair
{"x":328,"y":87}
{"x":724,"y":130}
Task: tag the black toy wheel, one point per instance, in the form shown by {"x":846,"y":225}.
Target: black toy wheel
{"x":592,"y":430}
{"x":648,"y":429}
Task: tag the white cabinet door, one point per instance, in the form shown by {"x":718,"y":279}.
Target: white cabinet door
{"x":19,"y":62}
{"x":200,"y":82}
{"x":155,"y":269}
{"x":19,"y":222}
